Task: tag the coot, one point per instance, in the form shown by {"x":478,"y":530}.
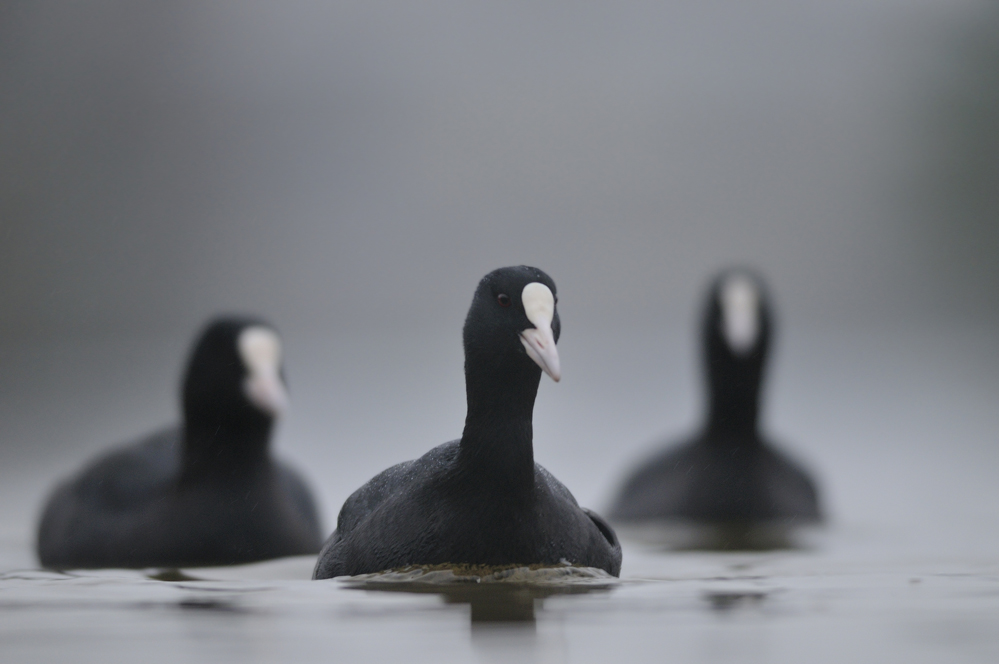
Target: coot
{"x":204,"y":493}
{"x":729,"y":472}
{"x":481,"y":499}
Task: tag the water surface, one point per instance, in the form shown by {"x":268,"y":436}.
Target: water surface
{"x":848,"y":595}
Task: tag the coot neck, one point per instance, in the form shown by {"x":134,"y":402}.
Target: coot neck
{"x":225,"y":448}
{"x":497,"y":443}
{"x":734,"y":399}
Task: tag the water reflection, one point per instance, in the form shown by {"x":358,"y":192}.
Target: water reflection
{"x":511,"y":595}
{"x":489,"y":604}
{"x":210,"y":604}
{"x":727,"y":601}
{"x":171,"y":575}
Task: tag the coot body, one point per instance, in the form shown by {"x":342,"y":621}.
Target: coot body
{"x":481,"y":499}
{"x":204,"y":493}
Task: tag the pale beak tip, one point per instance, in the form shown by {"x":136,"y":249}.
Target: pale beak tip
{"x":268,"y":395}
{"x":540,"y":347}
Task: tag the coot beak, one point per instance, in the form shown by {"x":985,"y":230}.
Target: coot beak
{"x":539,"y":342}
{"x":260,"y":349}
{"x":740,"y":305}
{"x":266,"y":392}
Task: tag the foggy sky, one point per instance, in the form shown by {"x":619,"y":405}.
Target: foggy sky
{"x":329,"y":163}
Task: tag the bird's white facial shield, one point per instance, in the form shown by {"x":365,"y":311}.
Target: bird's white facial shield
{"x":260,"y":350}
{"x":539,"y":305}
{"x":740,"y":306}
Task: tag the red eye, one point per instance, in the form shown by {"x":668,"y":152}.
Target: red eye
{"x":503,"y":299}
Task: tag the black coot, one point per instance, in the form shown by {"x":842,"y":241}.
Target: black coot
{"x":205,"y":493}
{"x":729,"y":472}
{"x":480,"y":500}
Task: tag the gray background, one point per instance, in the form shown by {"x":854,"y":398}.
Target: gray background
{"x":349,"y":170}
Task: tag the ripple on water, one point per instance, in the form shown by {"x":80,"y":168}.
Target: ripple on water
{"x":507,"y":593}
{"x":463,"y":575}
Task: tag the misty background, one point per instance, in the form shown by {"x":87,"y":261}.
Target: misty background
{"x":350,"y":170}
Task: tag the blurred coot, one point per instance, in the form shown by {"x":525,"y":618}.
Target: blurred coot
{"x":729,"y":473}
{"x":204,"y":493}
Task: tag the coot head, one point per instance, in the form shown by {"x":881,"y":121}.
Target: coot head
{"x":737,"y":331}
{"x":513,"y":325}
{"x":234,"y":374}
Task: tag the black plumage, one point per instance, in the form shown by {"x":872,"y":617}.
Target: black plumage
{"x":729,"y":472}
{"x":479,"y":500}
{"x":204,"y":493}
